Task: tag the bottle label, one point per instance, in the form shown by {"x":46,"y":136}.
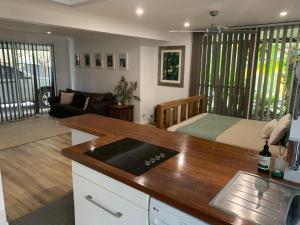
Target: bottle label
{"x":264,"y":163}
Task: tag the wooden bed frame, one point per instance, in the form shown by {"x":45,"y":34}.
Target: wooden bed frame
{"x":173,"y":112}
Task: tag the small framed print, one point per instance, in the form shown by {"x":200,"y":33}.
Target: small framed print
{"x":87,"y":60}
{"x":123,"y":61}
{"x":98,"y":60}
{"x":77,"y":60}
{"x":110,"y":61}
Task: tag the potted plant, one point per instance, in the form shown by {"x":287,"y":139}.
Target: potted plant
{"x":124,"y":91}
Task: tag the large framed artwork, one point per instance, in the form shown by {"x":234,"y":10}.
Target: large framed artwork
{"x":171,"y":66}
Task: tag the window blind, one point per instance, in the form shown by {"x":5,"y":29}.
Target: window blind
{"x":278,"y":52}
{"x":246,"y":74}
{"x":27,"y":79}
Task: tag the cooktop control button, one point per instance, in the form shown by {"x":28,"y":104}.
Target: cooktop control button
{"x":147,"y":163}
{"x":162,"y":155}
{"x":157,"y":157}
{"x":152,"y":160}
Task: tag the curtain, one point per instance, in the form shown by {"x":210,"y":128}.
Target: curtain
{"x":246,"y":74}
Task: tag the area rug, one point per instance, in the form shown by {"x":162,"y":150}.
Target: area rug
{"x":21,"y":132}
{"x":60,"y":212}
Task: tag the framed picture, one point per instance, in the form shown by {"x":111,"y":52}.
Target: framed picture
{"x":87,"y":60}
{"x":77,"y":60}
{"x":98,"y":60}
{"x":171,"y":66}
{"x":110,"y":61}
{"x":123,"y":61}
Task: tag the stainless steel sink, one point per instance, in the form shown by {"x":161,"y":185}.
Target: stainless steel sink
{"x":293,"y":214}
{"x":259,"y":200}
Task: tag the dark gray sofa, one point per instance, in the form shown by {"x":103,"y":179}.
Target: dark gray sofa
{"x":98,"y":104}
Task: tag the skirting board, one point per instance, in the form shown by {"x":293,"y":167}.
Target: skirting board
{"x":292,"y":175}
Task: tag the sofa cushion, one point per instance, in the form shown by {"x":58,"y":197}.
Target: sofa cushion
{"x":78,"y":100}
{"x":63,"y":111}
{"x":98,"y":106}
{"x":53,"y":99}
{"x":86,"y":104}
{"x":66,"y":98}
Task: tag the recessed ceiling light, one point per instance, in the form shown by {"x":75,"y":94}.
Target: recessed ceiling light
{"x":186,"y":24}
{"x":139,"y":11}
{"x":48,"y":32}
{"x":284,"y":13}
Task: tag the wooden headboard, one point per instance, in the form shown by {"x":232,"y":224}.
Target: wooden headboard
{"x":171,"y":113}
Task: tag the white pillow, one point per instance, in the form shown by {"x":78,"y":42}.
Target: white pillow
{"x":268,"y":129}
{"x":87,"y":100}
{"x":280,"y":129}
{"x":66,"y":98}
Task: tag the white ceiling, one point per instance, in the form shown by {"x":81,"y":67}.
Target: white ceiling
{"x":76,"y":2}
{"x":43,"y":29}
{"x":164,"y":15}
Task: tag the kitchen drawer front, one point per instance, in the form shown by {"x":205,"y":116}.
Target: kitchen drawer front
{"x":97,"y":206}
{"x":137,"y":197}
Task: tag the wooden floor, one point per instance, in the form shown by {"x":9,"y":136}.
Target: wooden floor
{"x":35,"y":174}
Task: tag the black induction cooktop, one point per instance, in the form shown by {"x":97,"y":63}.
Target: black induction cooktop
{"x":131,"y":155}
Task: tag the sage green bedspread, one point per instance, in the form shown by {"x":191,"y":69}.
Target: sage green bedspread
{"x":209,"y":127}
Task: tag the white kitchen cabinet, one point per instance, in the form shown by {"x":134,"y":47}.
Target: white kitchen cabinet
{"x":101,"y":200}
{"x":2,"y":206}
{"x":79,"y":137}
{"x":137,"y":197}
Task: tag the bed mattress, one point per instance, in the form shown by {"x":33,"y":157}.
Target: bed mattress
{"x":245,"y":134}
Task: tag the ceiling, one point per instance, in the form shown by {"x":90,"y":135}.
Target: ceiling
{"x":43,"y":29}
{"x":164,"y":15}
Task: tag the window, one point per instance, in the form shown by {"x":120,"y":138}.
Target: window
{"x":27,"y":79}
{"x":246,"y":74}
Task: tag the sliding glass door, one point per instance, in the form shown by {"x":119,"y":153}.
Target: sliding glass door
{"x":246,"y":74}
{"x":27,"y":79}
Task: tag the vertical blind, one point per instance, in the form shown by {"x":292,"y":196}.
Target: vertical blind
{"x":246,"y":74}
{"x":27,"y":79}
{"x":279,"y":52}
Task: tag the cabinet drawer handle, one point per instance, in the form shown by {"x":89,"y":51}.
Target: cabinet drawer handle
{"x":115,"y":214}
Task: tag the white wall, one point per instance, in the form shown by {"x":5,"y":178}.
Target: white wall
{"x":143,"y":67}
{"x":151,"y":93}
{"x":60,"y":49}
{"x":104,"y":80}
{"x":148,"y":81}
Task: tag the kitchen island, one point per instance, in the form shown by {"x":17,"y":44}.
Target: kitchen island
{"x":187,"y":181}
{"x":2,"y":207}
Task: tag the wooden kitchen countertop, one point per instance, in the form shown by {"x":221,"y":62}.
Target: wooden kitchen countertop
{"x":188,"y":181}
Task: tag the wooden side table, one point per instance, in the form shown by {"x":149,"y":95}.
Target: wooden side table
{"x":122,"y":112}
